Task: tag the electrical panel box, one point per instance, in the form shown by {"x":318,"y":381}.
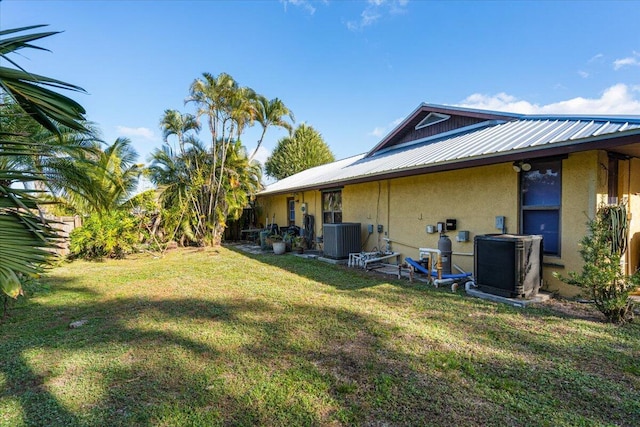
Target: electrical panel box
{"x":500,"y":222}
{"x":451,"y":224}
{"x":463,"y":236}
{"x":370,"y":228}
{"x":379,"y":228}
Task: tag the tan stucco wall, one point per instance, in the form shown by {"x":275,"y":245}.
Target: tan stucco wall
{"x":474,"y":197}
{"x":629,"y":189}
{"x":405,"y":207}
{"x":584,"y":185}
{"x":275,"y":208}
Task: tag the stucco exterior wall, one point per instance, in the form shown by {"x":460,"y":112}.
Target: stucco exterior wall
{"x":405,"y":206}
{"x":273,"y":209}
{"x":584,"y":186}
{"x":629,"y":185}
{"x":474,"y":197}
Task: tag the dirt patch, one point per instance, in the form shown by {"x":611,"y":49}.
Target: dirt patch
{"x":575,"y":309}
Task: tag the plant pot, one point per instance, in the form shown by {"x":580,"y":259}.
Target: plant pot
{"x":279,"y":247}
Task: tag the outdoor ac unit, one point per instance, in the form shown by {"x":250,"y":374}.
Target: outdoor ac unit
{"x":304,"y":208}
{"x":508,"y":265}
{"x":339,"y":240}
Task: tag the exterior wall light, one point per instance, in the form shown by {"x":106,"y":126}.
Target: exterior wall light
{"x":521,"y":166}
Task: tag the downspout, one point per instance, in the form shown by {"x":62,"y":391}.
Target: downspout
{"x":388,"y":206}
{"x":629,"y":216}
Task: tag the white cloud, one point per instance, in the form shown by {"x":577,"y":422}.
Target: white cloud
{"x":633,"y":60}
{"x":617,"y":99}
{"x":262,"y":155}
{"x":375,"y":10}
{"x":380,"y":131}
{"x":377,"y":132}
{"x":598,"y":57}
{"x":583,"y":74}
{"x":141,"y":132}
{"x":304,"y":4}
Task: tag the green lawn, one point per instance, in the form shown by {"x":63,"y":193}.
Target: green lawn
{"x":224,"y":338}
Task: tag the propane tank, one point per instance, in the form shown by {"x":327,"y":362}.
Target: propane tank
{"x":444,"y":246}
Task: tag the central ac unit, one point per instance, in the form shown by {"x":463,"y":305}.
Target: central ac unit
{"x":339,"y":240}
{"x":508,"y":265}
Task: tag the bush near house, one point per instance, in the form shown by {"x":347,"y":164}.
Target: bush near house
{"x":602,"y":274}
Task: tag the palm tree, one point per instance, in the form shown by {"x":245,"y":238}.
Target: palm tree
{"x":108,"y":178}
{"x":271,"y":113}
{"x":182,"y":180}
{"x":243,"y":181}
{"x":24,"y":236}
{"x":175,"y":123}
{"x":229,"y":109}
{"x":55,"y":151}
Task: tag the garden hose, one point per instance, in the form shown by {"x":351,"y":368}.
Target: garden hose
{"x":615,"y":219}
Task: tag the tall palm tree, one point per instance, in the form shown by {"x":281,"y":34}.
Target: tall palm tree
{"x":271,"y":113}
{"x":173,"y":123}
{"x":228,"y":109}
{"x":24,"y":237}
{"x":244,"y":180}
{"x":180,"y":178}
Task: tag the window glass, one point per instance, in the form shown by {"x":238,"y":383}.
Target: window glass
{"x":541,"y":185}
{"x":292,"y":210}
{"x":332,"y":207}
{"x":541,"y":199}
{"x":545,"y":223}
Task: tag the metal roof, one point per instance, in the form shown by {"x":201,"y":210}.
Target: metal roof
{"x":490,"y":141}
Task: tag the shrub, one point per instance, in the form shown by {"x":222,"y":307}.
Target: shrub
{"x":112,"y":235}
{"x":602,"y":275}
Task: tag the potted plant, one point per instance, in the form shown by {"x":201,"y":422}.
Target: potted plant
{"x":279,"y":246}
{"x":299,"y":243}
{"x":288,"y":239}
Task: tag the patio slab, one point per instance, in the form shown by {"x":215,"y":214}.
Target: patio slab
{"x":515,"y":302}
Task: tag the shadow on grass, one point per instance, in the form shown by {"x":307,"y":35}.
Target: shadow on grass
{"x":248,"y":360}
{"x":339,"y":276}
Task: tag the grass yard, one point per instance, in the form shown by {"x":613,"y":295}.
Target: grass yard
{"x":219,"y":337}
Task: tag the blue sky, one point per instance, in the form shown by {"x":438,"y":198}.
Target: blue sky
{"x":351,"y":69}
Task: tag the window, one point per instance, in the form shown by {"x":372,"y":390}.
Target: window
{"x":432,"y":119}
{"x":540,"y":202}
{"x":291,"y":211}
{"x":332,"y":207}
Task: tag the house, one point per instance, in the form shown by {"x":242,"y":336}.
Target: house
{"x":543,"y":174}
